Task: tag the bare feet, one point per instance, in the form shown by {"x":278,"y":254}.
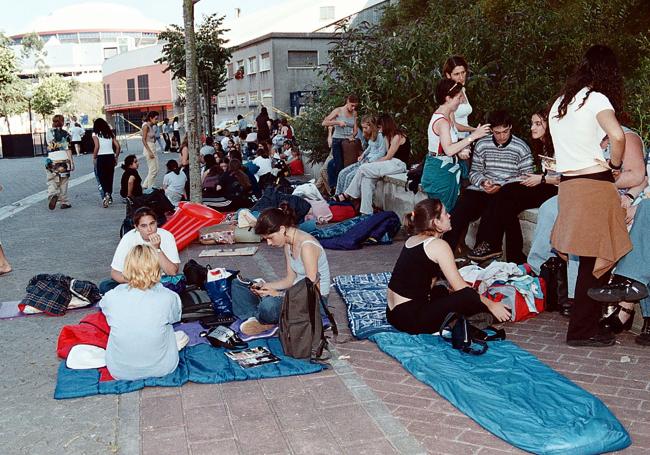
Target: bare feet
{"x":4,"y":269}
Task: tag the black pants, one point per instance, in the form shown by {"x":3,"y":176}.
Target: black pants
{"x":586,"y":312}
{"x":470,"y":206}
{"x":177,"y":135}
{"x":186,"y":170}
{"x":168,"y":142}
{"x":105,"y":172}
{"x":426,"y":316}
{"x":503,"y":213}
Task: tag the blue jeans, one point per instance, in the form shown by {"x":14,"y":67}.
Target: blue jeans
{"x":634,"y":264}
{"x":336,"y":165}
{"x":541,"y":249}
{"x":107,"y":285}
{"x":266,"y":309}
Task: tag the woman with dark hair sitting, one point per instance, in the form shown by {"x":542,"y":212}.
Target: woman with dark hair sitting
{"x":416,"y":303}
{"x":131,"y":182}
{"x":105,"y":153}
{"x":174,"y":183}
{"x":305,"y":257}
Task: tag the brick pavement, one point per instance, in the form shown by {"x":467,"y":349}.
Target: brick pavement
{"x":366,"y":404}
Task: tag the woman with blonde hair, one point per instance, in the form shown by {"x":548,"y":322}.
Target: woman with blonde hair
{"x":142,"y":342}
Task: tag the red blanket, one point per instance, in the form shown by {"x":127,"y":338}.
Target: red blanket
{"x":92,"y":329}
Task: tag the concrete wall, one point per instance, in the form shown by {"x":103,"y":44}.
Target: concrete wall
{"x":160,"y":86}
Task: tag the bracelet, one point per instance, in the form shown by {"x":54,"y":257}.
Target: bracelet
{"x":615,"y":168}
{"x":631,"y":196}
{"x":544,"y":177}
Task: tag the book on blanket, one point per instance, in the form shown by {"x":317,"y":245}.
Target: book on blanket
{"x":253,"y":357}
{"x":246,"y":251}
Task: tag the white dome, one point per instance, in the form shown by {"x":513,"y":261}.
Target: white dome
{"x":94,"y":16}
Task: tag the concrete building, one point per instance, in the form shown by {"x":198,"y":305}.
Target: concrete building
{"x":76,"y":45}
{"x":134,"y":85}
{"x":279,"y":69}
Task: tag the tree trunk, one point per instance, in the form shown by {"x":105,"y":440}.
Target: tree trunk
{"x":192,"y":101}
{"x":8,"y":125}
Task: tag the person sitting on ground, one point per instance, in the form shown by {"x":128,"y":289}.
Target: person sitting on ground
{"x":208,"y":148}
{"x":376,"y":148}
{"x":146,"y":232}
{"x":209,"y":161}
{"x":304,"y":256}
{"x":235,"y":170}
{"x":285,"y":129}
{"x":531,"y":192}
{"x":416,"y":302}
{"x":442,"y":172}
{"x":498,"y":162}
{"x":174,"y":183}
{"x":262,"y":161}
{"x":296,"y":166}
{"x":131,"y":182}
{"x":225,"y":140}
{"x":394,"y":162}
{"x":142,"y":342}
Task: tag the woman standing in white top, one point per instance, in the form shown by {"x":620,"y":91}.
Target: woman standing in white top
{"x":591,"y":221}
{"x":441,"y":174}
{"x":77,"y":132}
{"x":456,"y":69}
{"x":105,"y":154}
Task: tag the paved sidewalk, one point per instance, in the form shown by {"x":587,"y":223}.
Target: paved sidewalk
{"x":366,"y":404}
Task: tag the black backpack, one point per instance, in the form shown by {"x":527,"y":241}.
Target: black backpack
{"x":195,"y":274}
{"x":196,"y":305}
{"x":465,"y":337}
{"x":301,"y":329}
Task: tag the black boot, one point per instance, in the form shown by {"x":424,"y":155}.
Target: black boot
{"x":644,"y":337}
{"x":563,"y":299}
{"x":549,"y":272}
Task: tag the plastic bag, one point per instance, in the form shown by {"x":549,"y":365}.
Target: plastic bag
{"x":219,"y":286}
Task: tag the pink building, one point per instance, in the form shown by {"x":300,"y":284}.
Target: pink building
{"x":134,"y":85}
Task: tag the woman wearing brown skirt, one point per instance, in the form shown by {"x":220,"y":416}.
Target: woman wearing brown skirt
{"x":591,"y":221}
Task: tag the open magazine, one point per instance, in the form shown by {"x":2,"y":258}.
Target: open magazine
{"x":253,"y":357}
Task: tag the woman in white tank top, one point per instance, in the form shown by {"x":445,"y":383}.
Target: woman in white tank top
{"x":105,"y":153}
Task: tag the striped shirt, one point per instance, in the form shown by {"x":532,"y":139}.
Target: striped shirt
{"x":500,"y":163}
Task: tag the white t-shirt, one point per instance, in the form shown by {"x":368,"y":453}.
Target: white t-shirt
{"x":224,"y":143}
{"x":207,"y":150}
{"x":105,"y":145}
{"x":577,"y":135}
{"x":175,"y":183}
{"x":265,"y":166}
{"x":177,"y":126}
{"x":77,"y":132}
{"x":133,"y":238}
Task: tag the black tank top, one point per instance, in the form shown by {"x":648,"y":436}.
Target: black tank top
{"x":414,"y":272}
{"x":403,"y":153}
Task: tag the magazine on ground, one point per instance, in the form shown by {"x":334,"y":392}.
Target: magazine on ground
{"x":253,"y":357}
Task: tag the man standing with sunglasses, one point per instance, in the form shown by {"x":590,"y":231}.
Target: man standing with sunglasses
{"x":498,"y":160}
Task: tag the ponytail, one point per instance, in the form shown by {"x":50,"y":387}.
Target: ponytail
{"x":271,"y":220}
{"x":420,"y":220}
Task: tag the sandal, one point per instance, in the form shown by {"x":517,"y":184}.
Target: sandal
{"x":222,"y":337}
{"x":341,"y":198}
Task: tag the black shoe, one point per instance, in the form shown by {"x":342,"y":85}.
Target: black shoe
{"x":596,"y":341}
{"x":51,"y":201}
{"x":65,"y":206}
{"x":613,"y":321}
{"x":484,"y":252}
{"x":644,"y":337}
{"x":565,"y":307}
{"x":620,"y":289}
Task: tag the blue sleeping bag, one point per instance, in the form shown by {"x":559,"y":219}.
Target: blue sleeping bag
{"x":512,"y":394}
{"x":381,"y":227}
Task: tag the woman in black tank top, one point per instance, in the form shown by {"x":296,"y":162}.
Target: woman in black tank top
{"x":416,"y":304}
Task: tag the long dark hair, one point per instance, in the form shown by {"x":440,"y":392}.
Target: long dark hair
{"x":172,"y":166}
{"x":543,"y":146}
{"x":452,"y":62}
{"x":447,"y":88}
{"x":209,"y":161}
{"x":271,"y":220}
{"x":599,"y":72}
{"x":102,"y":129}
{"x":389,"y":128}
{"x":128,"y":161}
{"x":420,"y":220}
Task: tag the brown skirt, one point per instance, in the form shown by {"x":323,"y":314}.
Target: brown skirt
{"x":591,"y":222}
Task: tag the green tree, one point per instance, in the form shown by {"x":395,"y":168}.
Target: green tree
{"x":33,"y":45}
{"x":212,"y":55}
{"x":52,"y":93}
{"x":12,"y":89}
{"x":519,"y":53}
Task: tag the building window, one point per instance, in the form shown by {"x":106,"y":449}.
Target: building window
{"x":303,"y":59}
{"x":107,"y":94}
{"x":253,"y":98}
{"x":327,"y":13}
{"x":232,"y":101}
{"x":265,"y":62}
{"x":231,"y":70}
{"x":252,"y":65}
{"x":241,"y":99}
{"x":222,"y":102}
{"x":130,"y":89}
{"x":109,"y":52}
{"x":267,"y":98}
{"x":68,"y":37}
{"x":143,"y":87}
{"x":89,"y":37}
{"x":240,"y":64}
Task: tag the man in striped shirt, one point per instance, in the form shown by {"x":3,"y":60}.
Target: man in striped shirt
{"x":498,"y":160}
